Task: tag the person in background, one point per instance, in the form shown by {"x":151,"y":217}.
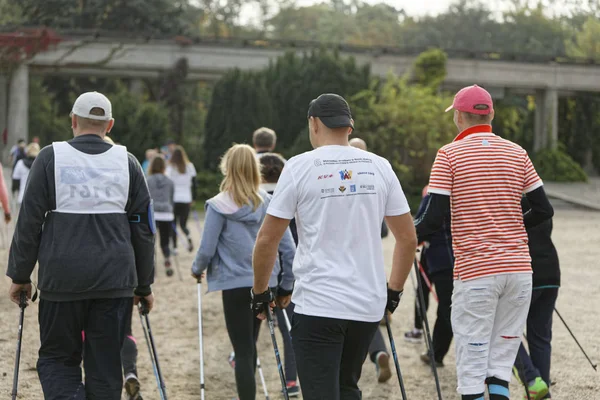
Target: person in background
{"x":150,"y":154}
{"x":264,"y":141}
{"x":534,"y":367}
{"x":17,"y":152}
{"x":438,"y":261}
{"x":168,"y":149}
{"x":35,"y":139}
{"x":21,"y":171}
{"x":183,"y":174}
{"x":162,"y":191}
{"x":233,"y":218}
{"x":378,"y":353}
{"x":271,"y":166}
{"x":4,"y":196}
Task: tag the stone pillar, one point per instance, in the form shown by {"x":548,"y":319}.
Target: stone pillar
{"x":538,"y":128}
{"x":18,"y":105}
{"x":546,"y":120}
{"x":3,"y":116}
{"x":551,"y":118}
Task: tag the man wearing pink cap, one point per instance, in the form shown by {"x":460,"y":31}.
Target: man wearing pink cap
{"x":478,"y":180}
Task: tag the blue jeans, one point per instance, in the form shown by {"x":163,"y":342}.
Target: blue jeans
{"x":539,"y":336}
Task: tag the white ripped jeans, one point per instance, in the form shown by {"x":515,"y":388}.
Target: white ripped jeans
{"x":488,"y":318}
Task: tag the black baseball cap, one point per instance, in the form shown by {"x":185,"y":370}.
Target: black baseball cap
{"x":332,"y":110}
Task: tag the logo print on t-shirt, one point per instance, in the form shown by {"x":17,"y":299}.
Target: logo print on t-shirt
{"x":352,"y":188}
{"x":485,"y":142}
{"x":342,"y":189}
{"x":318,"y":163}
{"x":345,"y":174}
{"x":326,"y":176}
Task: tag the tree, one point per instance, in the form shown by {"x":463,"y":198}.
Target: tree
{"x":586,"y":43}
{"x":430,"y":68}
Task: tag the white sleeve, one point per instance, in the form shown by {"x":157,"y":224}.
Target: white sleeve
{"x":396,"y":201}
{"x":18,"y":171}
{"x":285,"y":198}
{"x":192,"y":170}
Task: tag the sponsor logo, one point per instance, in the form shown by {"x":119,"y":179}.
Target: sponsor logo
{"x":328,"y":191}
{"x":352,"y":188}
{"x":342,"y":189}
{"x":326,"y":176}
{"x":485,"y":142}
{"x":345,"y":174}
{"x":367,"y":173}
{"x":367,"y":187}
{"x":318,"y":163}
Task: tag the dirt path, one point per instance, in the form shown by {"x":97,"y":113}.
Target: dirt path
{"x":174,"y":321}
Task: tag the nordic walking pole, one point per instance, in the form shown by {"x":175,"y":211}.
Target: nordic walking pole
{"x":287,"y":321}
{"x":395,"y":355}
{"x":200,"y":338}
{"x":427,"y":331}
{"x":22,"y":305}
{"x":152,"y":348}
{"x":595,"y":366}
{"x":262,"y":378}
{"x":276,"y":349}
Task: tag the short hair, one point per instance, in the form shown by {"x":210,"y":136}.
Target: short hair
{"x":271,"y":165}
{"x":158,"y":165}
{"x":264,"y":138}
{"x":92,"y":123}
{"x":477,"y":119}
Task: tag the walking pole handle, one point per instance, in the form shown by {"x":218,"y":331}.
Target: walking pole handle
{"x":23,"y":299}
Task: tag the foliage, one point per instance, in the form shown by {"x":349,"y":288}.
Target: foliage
{"x":586,"y":43}
{"x":44,"y":121}
{"x":558,"y":166}
{"x":207,"y":184}
{"x":277,"y":97}
{"x":430,"y":68}
{"x":406,"y":125}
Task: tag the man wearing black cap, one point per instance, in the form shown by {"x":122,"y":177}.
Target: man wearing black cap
{"x":340,"y":196}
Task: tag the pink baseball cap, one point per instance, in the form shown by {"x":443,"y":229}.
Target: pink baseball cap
{"x":474,"y":100}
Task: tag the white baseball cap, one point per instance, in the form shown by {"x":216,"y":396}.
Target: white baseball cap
{"x":87,"y":101}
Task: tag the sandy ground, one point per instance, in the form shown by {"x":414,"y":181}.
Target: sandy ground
{"x":175,"y":324}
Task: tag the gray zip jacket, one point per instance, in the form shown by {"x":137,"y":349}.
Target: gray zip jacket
{"x":83,"y":256}
{"x":162,"y":190}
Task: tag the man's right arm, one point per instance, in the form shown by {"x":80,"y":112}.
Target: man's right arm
{"x":28,"y":231}
{"x":403,"y":229}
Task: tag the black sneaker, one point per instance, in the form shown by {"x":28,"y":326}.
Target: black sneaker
{"x":190,"y":245}
{"x":414,"y":336}
{"x":425,"y":358}
{"x":293,"y":389}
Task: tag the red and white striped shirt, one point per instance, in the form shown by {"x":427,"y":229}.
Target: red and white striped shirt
{"x":485,"y":177}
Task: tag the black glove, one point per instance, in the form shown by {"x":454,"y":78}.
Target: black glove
{"x":261,"y":301}
{"x":281,"y":292}
{"x":393,"y":299}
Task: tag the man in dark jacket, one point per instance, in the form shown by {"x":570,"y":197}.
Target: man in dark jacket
{"x":534,"y":367}
{"x":86,"y":217}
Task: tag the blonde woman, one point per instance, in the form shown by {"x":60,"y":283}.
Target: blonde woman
{"x":233,"y":218}
{"x":183,"y":174}
{"x":23,"y":166}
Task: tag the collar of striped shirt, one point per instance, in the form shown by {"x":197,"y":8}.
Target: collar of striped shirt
{"x":472,"y":130}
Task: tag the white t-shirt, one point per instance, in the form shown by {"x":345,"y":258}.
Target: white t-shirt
{"x":21,"y":172}
{"x":339,"y":196}
{"x":183,"y":182}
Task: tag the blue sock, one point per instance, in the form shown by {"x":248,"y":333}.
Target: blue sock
{"x":498,"y":389}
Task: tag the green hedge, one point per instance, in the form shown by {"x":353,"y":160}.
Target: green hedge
{"x":207,"y":186}
{"x":558,"y":166}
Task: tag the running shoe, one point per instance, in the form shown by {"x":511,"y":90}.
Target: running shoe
{"x":537,"y":389}
{"x":382,"y":365}
{"x":414,"y":336}
{"x":167,"y":263}
{"x":132,"y":387}
{"x":231,"y":360}
{"x":425,"y":358}
{"x":293,"y":389}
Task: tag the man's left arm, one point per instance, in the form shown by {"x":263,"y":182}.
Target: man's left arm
{"x":142,"y":228}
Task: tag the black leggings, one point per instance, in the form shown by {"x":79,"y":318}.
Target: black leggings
{"x":165,"y":231}
{"x":243,"y":329}
{"x":182,"y":213}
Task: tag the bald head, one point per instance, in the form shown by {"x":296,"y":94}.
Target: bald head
{"x":358,"y":143}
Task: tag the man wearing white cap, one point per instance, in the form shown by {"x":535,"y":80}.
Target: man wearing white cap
{"x":479,"y":180}
{"x":86,"y":217}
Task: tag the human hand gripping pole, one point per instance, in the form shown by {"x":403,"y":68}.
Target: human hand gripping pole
{"x":393,"y":299}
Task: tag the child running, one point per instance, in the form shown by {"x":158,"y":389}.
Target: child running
{"x":233,"y":218}
{"x":162,"y":191}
